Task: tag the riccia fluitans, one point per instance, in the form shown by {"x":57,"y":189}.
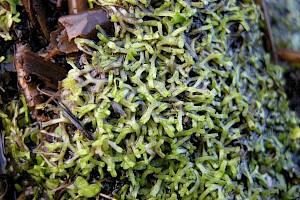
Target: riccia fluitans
{"x":183,"y":103}
{"x":8,"y":15}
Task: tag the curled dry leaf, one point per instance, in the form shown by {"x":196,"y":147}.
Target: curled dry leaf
{"x":79,"y":25}
{"x":83,"y":24}
{"x":59,"y":43}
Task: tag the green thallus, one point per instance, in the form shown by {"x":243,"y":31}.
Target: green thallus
{"x":184,"y":104}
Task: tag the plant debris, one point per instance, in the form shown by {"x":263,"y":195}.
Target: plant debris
{"x":83,"y":24}
{"x":35,"y":8}
{"x":288,"y":55}
{"x":183,"y":103}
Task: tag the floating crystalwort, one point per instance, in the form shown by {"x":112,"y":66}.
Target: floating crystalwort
{"x":183,"y":103}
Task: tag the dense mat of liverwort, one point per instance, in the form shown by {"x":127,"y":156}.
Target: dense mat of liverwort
{"x":183,"y":103}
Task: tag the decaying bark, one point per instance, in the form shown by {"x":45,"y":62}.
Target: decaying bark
{"x":36,"y":8}
{"x":28,"y":86}
{"x":33,"y":71}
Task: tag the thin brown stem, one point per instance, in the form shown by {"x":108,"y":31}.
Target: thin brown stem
{"x":41,"y":17}
{"x":107,"y":196}
{"x":268,"y":30}
{"x":77,"y":6}
{"x":288,"y":55}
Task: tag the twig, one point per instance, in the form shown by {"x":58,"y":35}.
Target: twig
{"x":68,"y":114}
{"x":288,"y":55}
{"x":268,"y":30}
{"x":107,"y":196}
{"x":4,"y":192}
{"x":77,"y":6}
{"x":2,"y":156}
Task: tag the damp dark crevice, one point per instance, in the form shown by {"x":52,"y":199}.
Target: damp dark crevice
{"x":292,"y":89}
